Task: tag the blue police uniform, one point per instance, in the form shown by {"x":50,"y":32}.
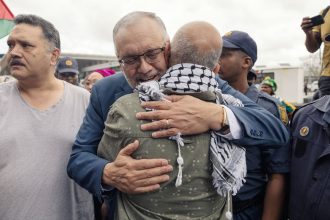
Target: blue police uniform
{"x":310,"y":167}
{"x":248,"y":203}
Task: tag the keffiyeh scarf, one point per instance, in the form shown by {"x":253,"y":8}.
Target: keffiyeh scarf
{"x":228,"y":159}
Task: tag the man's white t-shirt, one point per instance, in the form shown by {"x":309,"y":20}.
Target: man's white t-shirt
{"x":34,"y":150}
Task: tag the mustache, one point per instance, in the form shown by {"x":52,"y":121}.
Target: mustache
{"x":16,"y":62}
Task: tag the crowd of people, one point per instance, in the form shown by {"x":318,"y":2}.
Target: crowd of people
{"x":67,"y":70}
{"x":181,"y":132}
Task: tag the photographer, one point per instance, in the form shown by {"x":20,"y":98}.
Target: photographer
{"x":317,"y":30}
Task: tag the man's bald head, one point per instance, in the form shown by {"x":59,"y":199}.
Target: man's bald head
{"x":197,"y":42}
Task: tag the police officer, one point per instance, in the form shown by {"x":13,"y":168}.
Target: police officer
{"x":67,"y":70}
{"x":310,"y":166}
{"x":263,"y":194}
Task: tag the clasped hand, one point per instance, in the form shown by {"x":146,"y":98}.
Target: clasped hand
{"x":183,"y":114}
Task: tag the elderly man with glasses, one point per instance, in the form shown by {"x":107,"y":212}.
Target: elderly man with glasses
{"x":143,"y":47}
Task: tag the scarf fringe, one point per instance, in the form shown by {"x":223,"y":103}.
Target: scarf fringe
{"x":223,"y":184}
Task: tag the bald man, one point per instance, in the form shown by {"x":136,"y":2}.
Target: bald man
{"x":193,"y":53}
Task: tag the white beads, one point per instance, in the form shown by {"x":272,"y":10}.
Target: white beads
{"x":179,"y":160}
{"x":229,"y":215}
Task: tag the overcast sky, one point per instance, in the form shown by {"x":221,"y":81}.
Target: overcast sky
{"x":86,"y":26}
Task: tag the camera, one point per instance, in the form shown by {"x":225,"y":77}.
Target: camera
{"x":317,"y":20}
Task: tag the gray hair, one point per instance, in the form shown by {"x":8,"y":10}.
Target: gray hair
{"x":50,"y":33}
{"x":185,"y":50}
{"x":133,"y":17}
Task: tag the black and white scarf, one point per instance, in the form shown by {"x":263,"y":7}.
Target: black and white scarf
{"x":228,"y":159}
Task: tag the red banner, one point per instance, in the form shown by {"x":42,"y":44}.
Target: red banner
{"x":5,"y":13}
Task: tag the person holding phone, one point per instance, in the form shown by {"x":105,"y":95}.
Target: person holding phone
{"x":317,"y":30}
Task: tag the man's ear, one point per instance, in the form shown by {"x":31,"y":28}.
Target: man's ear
{"x":55,"y":56}
{"x":216,"y":69}
{"x":167,"y":52}
{"x":247,"y":62}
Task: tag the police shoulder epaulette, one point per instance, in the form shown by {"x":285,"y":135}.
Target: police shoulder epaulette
{"x":307,"y":104}
{"x":300,"y":107}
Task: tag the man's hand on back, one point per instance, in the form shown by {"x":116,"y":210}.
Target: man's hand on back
{"x":135,"y":176}
{"x":183,"y":114}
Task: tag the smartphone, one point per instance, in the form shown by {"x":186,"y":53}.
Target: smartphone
{"x":317,"y":20}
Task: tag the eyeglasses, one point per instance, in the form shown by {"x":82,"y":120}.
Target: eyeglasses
{"x":150,"y":56}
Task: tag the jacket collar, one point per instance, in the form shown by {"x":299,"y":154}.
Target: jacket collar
{"x":125,"y":88}
{"x":323,"y":105}
{"x":252,"y":93}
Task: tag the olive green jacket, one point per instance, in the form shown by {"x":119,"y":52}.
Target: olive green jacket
{"x":196,"y":198}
